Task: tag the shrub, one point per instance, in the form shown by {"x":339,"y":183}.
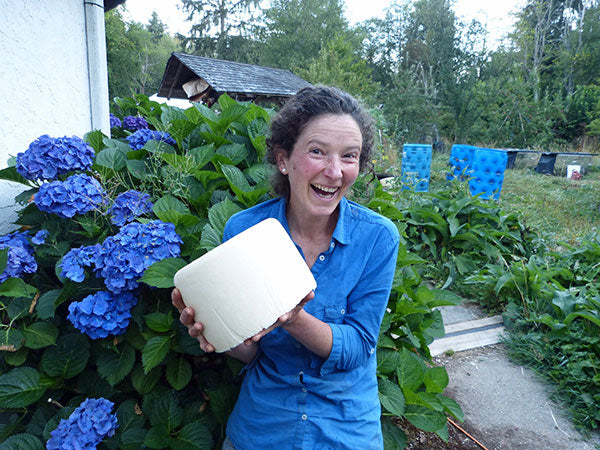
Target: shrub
{"x":85,"y":295}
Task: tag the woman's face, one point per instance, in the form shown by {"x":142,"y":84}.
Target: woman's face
{"x":322,"y":165}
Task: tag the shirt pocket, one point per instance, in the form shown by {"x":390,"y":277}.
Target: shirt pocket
{"x":334,"y":314}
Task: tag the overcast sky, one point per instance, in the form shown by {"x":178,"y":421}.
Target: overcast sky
{"x":496,"y":14}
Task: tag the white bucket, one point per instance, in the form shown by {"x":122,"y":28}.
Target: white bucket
{"x":571,"y":169}
{"x":245,"y":284}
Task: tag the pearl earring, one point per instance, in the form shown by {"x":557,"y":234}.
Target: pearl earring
{"x":284,"y":170}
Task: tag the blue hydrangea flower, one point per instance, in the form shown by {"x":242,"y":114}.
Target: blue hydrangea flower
{"x":115,"y":122}
{"x":138,"y":139}
{"x":134,"y":123}
{"x":20,"y":258}
{"x":102,"y":314}
{"x":86,"y":427}
{"x":128,"y":206}
{"x":40,"y":237}
{"x":47,"y":157}
{"x":76,"y":260}
{"x":124,"y":257}
{"x":79,"y":194}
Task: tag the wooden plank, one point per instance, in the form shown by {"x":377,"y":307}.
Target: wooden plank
{"x":472,"y":324}
{"x":466,"y":341}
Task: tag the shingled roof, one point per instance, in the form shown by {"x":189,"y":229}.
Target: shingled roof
{"x":241,"y":81}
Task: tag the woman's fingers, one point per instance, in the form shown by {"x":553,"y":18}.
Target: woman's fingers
{"x":177,"y":300}
{"x":186,"y":317}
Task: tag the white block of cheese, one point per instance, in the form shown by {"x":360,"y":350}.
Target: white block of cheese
{"x":245,"y":284}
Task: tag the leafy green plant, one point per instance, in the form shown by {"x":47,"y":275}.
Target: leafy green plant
{"x":552,"y":309}
{"x":89,"y":314}
{"x":169,"y":394}
{"x":410,"y":386}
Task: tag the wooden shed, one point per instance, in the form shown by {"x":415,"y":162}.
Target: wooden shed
{"x":197,"y":78}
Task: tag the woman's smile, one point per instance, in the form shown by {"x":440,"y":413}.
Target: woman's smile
{"x":323,"y":165}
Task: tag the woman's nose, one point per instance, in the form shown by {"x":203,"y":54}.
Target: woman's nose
{"x":334,"y":168}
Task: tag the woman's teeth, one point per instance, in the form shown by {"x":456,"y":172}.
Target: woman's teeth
{"x":325,"y":189}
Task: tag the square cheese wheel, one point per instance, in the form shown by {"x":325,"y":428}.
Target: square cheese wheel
{"x":245,"y":284}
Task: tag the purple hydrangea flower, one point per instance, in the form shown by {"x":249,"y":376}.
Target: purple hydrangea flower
{"x":115,"y":122}
{"x":124,"y":257}
{"x":47,"y":158}
{"x":79,"y":194}
{"x":86,"y":427}
{"x":134,"y":123}
{"x":76,"y":260}
{"x":20,"y":258}
{"x":40,"y":237}
{"x":138,"y":139}
{"x":102,"y":314}
{"x":128,"y":206}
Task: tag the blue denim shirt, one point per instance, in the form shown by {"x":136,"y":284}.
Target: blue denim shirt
{"x":290,"y":397}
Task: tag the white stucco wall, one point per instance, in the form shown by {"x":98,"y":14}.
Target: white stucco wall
{"x":44,"y":82}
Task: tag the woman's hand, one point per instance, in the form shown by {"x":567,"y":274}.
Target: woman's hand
{"x":186,"y":317}
{"x":282,"y":321}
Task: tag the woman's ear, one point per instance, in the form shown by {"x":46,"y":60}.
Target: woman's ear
{"x":281,"y":158}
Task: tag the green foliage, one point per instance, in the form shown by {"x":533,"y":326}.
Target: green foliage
{"x":552,"y":307}
{"x":340,"y":64}
{"x":409,"y":386}
{"x":296,"y":31}
{"x":212,"y":172}
{"x":155,"y":368}
{"x":136,"y":55}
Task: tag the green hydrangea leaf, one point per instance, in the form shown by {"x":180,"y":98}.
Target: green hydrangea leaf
{"x":114,"y":366}
{"x":194,"y":435}
{"x":46,"y":304}
{"x":161,"y":273}
{"x":40,"y":335}
{"x":425,"y":418}
{"x":179,"y":373}
{"x":111,"y":158}
{"x":155,"y":351}
{"x":22,"y":442}
{"x":159,"y":321}
{"x":68,"y":357}
{"x":391,"y":397}
{"x":16,"y":287}
{"x":20,"y":387}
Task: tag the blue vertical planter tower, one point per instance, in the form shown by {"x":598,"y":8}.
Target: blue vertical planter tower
{"x":461,"y":159}
{"x":416,"y":166}
{"x":487,"y":175}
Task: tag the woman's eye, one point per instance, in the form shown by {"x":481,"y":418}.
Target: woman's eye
{"x":316,"y":151}
{"x":351,"y":155}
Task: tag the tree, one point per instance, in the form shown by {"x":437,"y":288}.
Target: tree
{"x":136,"y":55}
{"x":156,"y":27}
{"x":221,"y":28}
{"x":296,"y":30}
{"x":340,"y":64}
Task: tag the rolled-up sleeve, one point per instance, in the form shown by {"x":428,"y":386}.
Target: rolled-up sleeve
{"x":355,"y":340}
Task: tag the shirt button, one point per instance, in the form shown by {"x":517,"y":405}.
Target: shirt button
{"x":372,"y":351}
{"x":343,"y":311}
{"x":332,"y":245}
{"x":321,"y":258}
{"x":304,"y":417}
{"x":304,"y":390}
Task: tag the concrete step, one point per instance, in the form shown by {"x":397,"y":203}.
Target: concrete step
{"x":468,"y":335}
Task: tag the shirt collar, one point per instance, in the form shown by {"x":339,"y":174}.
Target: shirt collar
{"x":341,"y":233}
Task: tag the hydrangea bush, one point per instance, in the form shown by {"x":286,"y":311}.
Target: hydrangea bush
{"x":87,"y":320}
{"x":85,"y":282}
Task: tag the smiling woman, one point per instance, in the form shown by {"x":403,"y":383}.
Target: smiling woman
{"x":311,"y":377}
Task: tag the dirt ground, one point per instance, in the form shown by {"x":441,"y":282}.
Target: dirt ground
{"x":419,"y":440}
